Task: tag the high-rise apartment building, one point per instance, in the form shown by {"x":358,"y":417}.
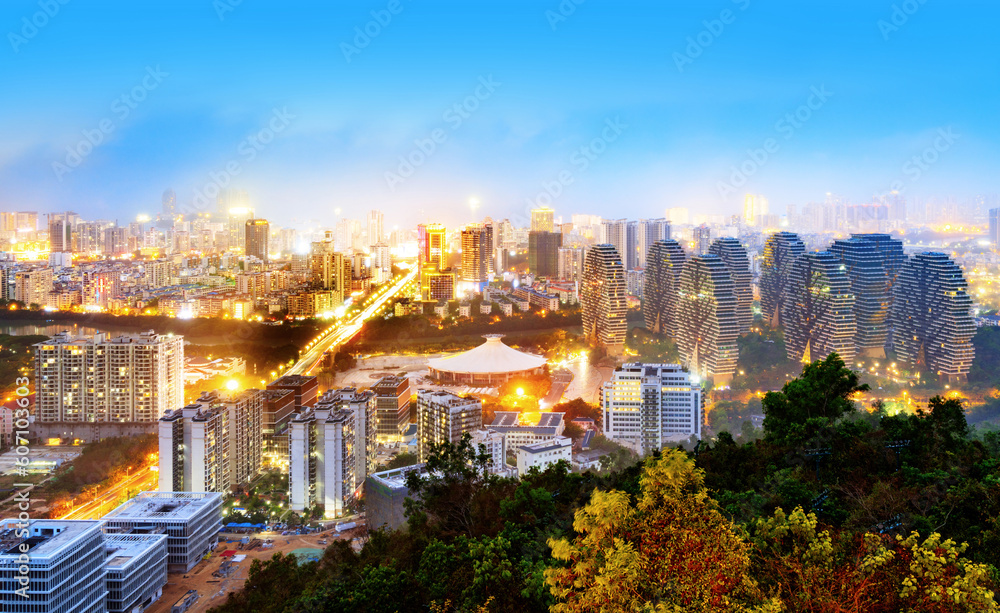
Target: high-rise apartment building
{"x":212,"y":444}
{"x":602,"y":293}
{"x":306,"y":389}
{"x":755,"y":207}
{"x":258,"y":235}
{"x":661,"y":286}
{"x":392,"y":404}
{"x":735,"y":257}
{"x":872,"y":263}
{"x":125,"y":379}
{"x":114,"y":241}
{"x":33,"y":286}
{"x":231,"y":199}
{"x":237,"y":234}
{"x":780,"y":252}
{"x":932,"y":317}
{"x":331,"y":451}
{"x":570,"y":263}
{"x":648,"y":231}
{"x":330,"y":270}
{"x":543,"y":253}
{"x":994,"y":227}
{"x":615,"y":233}
{"x":477,"y":251}
{"x":702,"y":239}
{"x":169,"y":203}
{"x":543,"y":220}
{"x":818,"y":310}
{"x":707,"y":326}
{"x":648,"y":406}
{"x":376,"y":227}
{"x":443,"y":417}
{"x":432,"y":243}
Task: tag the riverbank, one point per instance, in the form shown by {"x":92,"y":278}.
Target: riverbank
{"x":200,"y":331}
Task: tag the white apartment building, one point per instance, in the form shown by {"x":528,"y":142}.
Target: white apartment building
{"x":491,"y":443}
{"x":33,"y":286}
{"x":65,"y":561}
{"x":646,"y":406}
{"x":190,"y":520}
{"x":99,"y":379}
{"x":332,"y":449}
{"x":212,"y":444}
{"x":543,"y":454}
{"x":444,"y":417}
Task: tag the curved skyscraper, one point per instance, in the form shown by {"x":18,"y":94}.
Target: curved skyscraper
{"x":932,"y":316}
{"x":706,"y":325}
{"x":780,"y":252}
{"x":872,"y":262}
{"x":818,"y":312}
{"x":662,"y":276}
{"x":602,"y":293}
{"x":734,"y":254}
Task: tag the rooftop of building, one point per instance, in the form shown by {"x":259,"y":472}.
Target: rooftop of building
{"x":143,"y":338}
{"x":46,"y":538}
{"x":124,"y":549}
{"x":293,"y":381}
{"x":446,"y":398}
{"x":396,"y":478}
{"x":552,"y":444}
{"x":165,"y":506}
{"x":548,"y":422}
{"x":493,"y":356}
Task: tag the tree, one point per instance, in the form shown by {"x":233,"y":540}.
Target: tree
{"x":672,"y":551}
{"x":456,"y":494}
{"x":819,"y":396}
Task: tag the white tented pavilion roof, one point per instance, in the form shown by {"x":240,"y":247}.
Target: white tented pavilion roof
{"x":490,"y":357}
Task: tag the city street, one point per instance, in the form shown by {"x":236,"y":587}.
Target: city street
{"x":343,"y":331}
{"x":144,"y":479}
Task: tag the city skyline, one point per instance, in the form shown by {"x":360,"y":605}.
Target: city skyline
{"x":676,"y":107}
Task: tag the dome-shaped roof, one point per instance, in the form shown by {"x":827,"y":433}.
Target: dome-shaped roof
{"x":491,"y":357}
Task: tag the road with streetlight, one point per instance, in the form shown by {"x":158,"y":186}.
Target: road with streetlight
{"x":343,"y":331}
{"x":144,"y":480}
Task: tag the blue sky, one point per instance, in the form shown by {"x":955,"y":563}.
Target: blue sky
{"x":561,"y":73}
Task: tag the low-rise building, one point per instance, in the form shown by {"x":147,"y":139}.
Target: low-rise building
{"x":191,"y":521}
{"x":137,"y":570}
{"x":543,"y":454}
{"x":518,"y":432}
{"x":65,"y":562}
